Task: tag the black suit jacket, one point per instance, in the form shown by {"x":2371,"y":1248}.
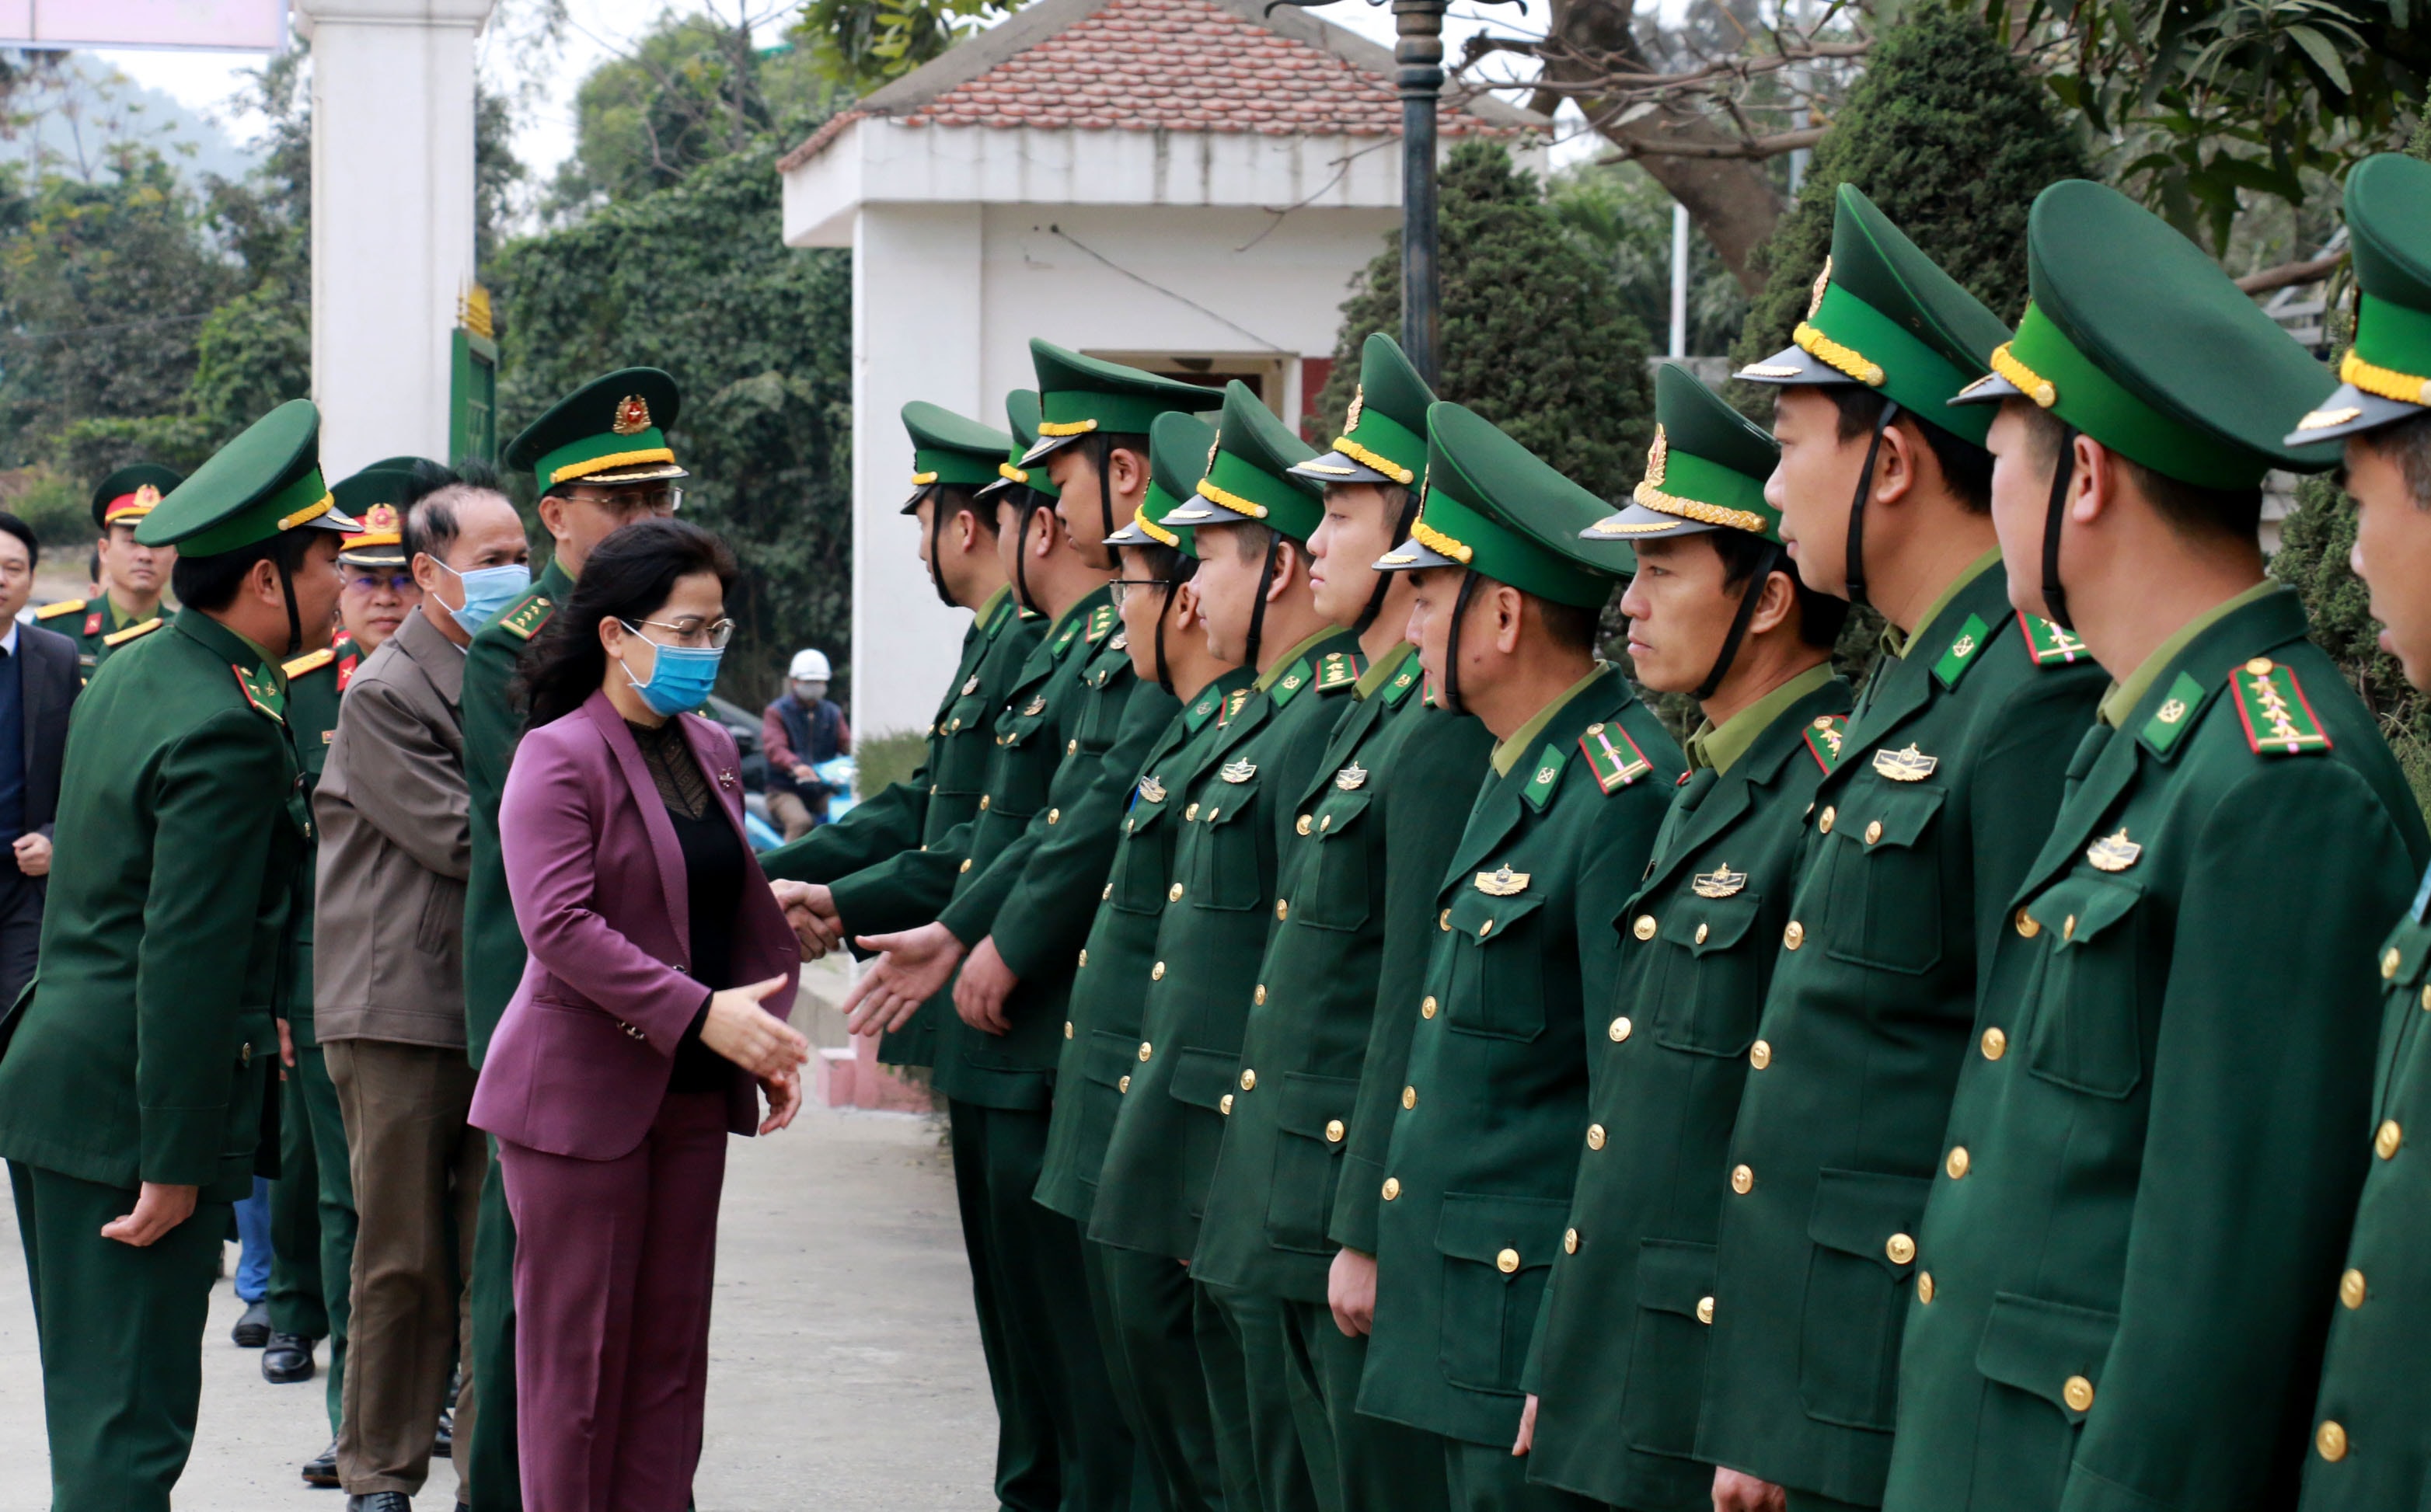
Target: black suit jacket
{"x":47,"y":664}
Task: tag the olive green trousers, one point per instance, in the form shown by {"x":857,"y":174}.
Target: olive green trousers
{"x":1379,"y":1465}
{"x":497,"y":1474}
{"x":313,"y":1216}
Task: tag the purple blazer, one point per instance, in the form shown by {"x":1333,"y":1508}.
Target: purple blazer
{"x":581,"y":1061}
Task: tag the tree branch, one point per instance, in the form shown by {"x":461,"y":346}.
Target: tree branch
{"x":1751,"y":148}
{"x":2263,"y":280}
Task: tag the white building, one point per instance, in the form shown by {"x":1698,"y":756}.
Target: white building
{"x":1180,"y":184}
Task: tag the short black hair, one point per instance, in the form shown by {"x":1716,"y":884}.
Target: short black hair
{"x":2407,"y":444}
{"x":2190,"y":508}
{"x":1572,"y":626}
{"x":949,"y":499}
{"x":1965,"y":466}
{"x":11,"y":524}
{"x":431,"y":494}
{"x":1250,"y":537}
{"x":210,"y":583}
{"x":1820,"y":615}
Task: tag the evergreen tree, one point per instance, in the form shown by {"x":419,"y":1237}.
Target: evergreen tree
{"x":1947,"y":135}
{"x":1536,"y":336}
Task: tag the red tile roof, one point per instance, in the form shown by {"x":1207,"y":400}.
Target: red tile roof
{"x":1170,"y":65}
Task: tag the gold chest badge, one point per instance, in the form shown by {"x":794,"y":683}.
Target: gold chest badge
{"x":1502,"y":882}
{"x":1721,"y":882}
{"x":1906,"y":765}
{"x":1238,"y":770}
{"x":1151,"y":790}
{"x":1349,"y":778}
{"x":2113,"y":852}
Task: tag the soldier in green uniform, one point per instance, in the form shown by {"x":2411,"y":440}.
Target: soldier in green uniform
{"x":599,"y":459}
{"x":1369,"y":837}
{"x":132,"y":1094}
{"x":1950,"y":769}
{"x":1716,"y":611}
{"x":134,"y":572}
{"x":1022,"y":895}
{"x":1167,"y":643}
{"x":2131,"y":1247}
{"x":1484,"y":1126}
{"x":2372,"y":1425}
{"x":1253,"y":520}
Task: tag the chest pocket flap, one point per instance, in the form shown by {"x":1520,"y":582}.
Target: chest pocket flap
{"x":1333,"y":881}
{"x":1497,"y":975}
{"x":1496,"y":1252}
{"x":2040,"y":1347}
{"x":1865,"y":1213}
{"x":1884,"y":908}
{"x":1223,"y":855}
{"x":1201,"y":1077}
{"x":2087,"y":1027}
{"x":1711,"y":991}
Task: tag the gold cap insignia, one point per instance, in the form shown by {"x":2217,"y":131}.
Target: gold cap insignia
{"x":2113,"y":852}
{"x":1213,"y":447}
{"x":1151,"y":790}
{"x":147,"y":496}
{"x":1657,"y":455}
{"x":1908,"y":765}
{"x":1502,"y":882}
{"x":1349,"y":777}
{"x":1238,"y":770}
{"x":1721,"y":882}
{"x":1358,"y":403}
{"x":1822,"y":282}
{"x":632,"y":416}
{"x":379,"y":517}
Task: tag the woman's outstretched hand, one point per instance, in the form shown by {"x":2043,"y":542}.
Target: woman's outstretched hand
{"x":747,"y":1034}
{"x":784,"y":1093}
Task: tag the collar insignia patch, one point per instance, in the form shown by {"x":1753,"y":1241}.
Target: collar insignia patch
{"x":2052,"y":645}
{"x":262,"y":691}
{"x":1963,"y":651}
{"x":1906,"y":765}
{"x":1824,"y":734}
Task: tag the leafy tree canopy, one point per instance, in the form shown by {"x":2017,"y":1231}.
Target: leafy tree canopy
{"x":858,"y":44}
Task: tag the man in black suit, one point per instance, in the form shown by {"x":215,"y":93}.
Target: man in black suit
{"x":39,"y":680}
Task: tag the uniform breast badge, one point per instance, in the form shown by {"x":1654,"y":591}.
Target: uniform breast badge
{"x":972,"y":686}
{"x":1721,"y":882}
{"x":1238,"y":770}
{"x":1349,"y":777}
{"x":1037,"y":706}
{"x":1151,"y":790}
{"x":1905,"y":765}
{"x":1502,"y":882}
{"x":2113,"y":852}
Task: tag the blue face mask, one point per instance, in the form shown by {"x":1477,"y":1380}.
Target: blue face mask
{"x":486,"y":589}
{"x":681,"y":679}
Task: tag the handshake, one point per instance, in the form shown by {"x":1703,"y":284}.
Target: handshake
{"x":810,"y":909}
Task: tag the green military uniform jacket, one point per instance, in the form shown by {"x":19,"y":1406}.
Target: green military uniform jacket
{"x":1094,"y":1069}
{"x":1235,"y":823}
{"x":865,"y":856}
{"x":494,"y":942}
{"x":1485,"y":1129}
{"x":2164,"y":1109}
{"x":314,"y":681}
{"x":1949,"y":775}
{"x":1373,"y":828}
{"x":1066,"y":712}
{"x":147,"y":1040}
{"x":97,"y":629}
{"x":2372,"y":1423}
{"x":1620,"y":1347}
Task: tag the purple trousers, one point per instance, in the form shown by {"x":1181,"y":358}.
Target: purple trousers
{"x":613,"y":1275}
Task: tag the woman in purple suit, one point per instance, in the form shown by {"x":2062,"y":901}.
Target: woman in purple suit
{"x":647,"y":1026}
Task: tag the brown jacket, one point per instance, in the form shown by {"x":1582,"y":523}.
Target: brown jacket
{"x":396,"y":848}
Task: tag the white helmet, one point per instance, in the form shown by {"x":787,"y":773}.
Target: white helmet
{"x":809,"y":667}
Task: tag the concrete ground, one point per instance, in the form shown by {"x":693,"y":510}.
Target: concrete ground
{"x":845,"y":1369}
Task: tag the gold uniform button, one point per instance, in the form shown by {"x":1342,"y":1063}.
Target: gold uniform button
{"x":2330,"y":1440}
{"x":966,"y":866}
{"x":1760,"y":1055}
{"x":1705,"y":1311}
{"x":1409,"y":1098}
{"x":1701,"y":932}
{"x":1124,"y":1085}
{"x":2260,"y":666}
{"x":1173,"y":893}
{"x":2389,"y":962}
{"x":1485,"y":930}
{"x":2426,"y":995}
{"x":2351,"y":1290}
{"x":1742,"y":1180}
{"x":1325,"y":823}
{"x":1794,"y":935}
{"x":1225,"y":1106}
{"x":1070,"y":746}
{"x":1427,"y":1008}
{"x":984,"y":803}
{"x":1902,"y":1249}
{"x":1189,"y":812}
{"x":1996,"y":1044}
{"x":1507,"y":1262}
{"x":1302,"y":826}
{"x":1054,"y":814}
{"x":1156,"y":972}
{"x":1924,"y":1287}
{"x":1957,"y":1164}
{"x":1392,"y":1187}
{"x":1644,"y":928}
{"x":2068,"y":927}
{"x":2385,"y":1143}
{"x":1146,"y":1050}
{"x":1823,"y":823}
{"x":1259,"y":997}
{"x":2027,"y":928}
{"x":1873,"y":832}
{"x":1334,"y":1131}
{"x":1595,"y":1137}
{"x":2078,"y":1393}
{"x":1569,"y":1242}
{"x":1108,"y":890}
{"x":1443,"y":920}
{"x":1212,"y":812}
{"x":1068,"y":1028}
{"x":1619,"y":1029}
{"x":1248,"y":1079}
{"x":1084,"y":958}
{"x":1282,"y":907}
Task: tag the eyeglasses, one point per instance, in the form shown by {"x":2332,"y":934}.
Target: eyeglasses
{"x":374,"y":582}
{"x":689,"y":631}
{"x":1118,"y":587}
{"x":632,"y":503}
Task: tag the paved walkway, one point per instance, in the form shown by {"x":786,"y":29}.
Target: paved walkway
{"x":844,"y":1370}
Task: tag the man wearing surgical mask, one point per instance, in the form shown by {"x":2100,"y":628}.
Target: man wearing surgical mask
{"x":389,"y":987}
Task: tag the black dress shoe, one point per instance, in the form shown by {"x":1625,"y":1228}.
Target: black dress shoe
{"x":380,"y":1502}
{"x":322,"y":1469}
{"x":253,"y":1329}
{"x":287,"y":1360}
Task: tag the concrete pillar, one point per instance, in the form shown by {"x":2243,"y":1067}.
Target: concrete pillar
{"x":392,"y":218}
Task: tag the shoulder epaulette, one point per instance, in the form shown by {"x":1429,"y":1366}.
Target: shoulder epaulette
{"x":1823,"y":735}
{"x":52,"y":611}
{"x":2052,"y":645}
{"x":310,"y":661}
{"x":120,"y":638}
{"x":1287,"y":686}
{"x":1402,"y":681}
{"x":1539,"y":791}
{"x":524,"y":621}
{"x":1233,"y":705}
{"x":262,"y":691}
{"x":1339,"y":669}
{"x":1101,"y":619}
{"x":1616,"y":766}
{"x":2279,"y":719}
{"x":1966,"y":649}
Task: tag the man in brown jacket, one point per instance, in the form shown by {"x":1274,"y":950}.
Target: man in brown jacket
{"x":389,"y":998}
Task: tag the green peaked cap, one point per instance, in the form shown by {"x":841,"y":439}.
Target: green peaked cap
{"x":1249,"y":476}
{"x":266,"y":481}
{"x":1492,"y":505}
{"x":1383,"y":438}
{"x":120,"y":497}
{"x":947,"y":448}
{"x":376,"y":497}
{"x":610,"y":430}
{"x":1884,"y":316}
{"x":2386,"y":376}
{"x":1021,"y":415}
{"x":1078,"y":395}
{"x":1704,"y":472}
{"x":2136,"y":338}
{"x":1178,"y":448}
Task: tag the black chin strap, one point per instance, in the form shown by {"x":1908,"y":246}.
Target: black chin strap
{"x":1748,"y":601}
{"x":1022,"y":513}
{"x":1164,"y":671}
{"x":1856,"y":573}
{"x":2054,"y":596}
{"x":936,"y":535}
{"x":1106,"y":492}
{"x":1451,"y":690}
{"x":1385,"y":580}
{"x":294,"y":617}
{"x":1258,"y":609}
